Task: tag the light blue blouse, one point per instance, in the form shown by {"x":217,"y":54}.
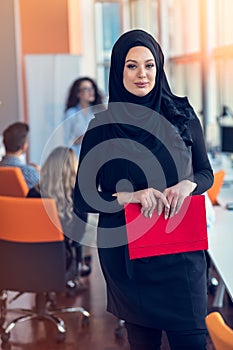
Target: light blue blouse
{"x":76,"y":121}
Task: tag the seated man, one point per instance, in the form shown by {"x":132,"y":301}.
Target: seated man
{"x":15,"y":140}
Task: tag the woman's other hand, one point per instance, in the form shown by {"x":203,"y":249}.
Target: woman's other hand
{"x":150,"y":199}
{"x":175,"y":196}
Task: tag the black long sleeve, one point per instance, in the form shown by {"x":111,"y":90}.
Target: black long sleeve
{"x":90,"y":196}
{"x":203,"y":173}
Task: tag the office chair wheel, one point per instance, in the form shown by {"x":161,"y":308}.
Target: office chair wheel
{"x":85,"y":321}
{"x":120,"y":329}
{"x":119,"y":332}
{"x":51,"y":299}
{"x":2,"y":320}
{"x":6,"y":346}
{"x":5,"y":337}
{"x":212,"y":285}
{"x":61,"y":337}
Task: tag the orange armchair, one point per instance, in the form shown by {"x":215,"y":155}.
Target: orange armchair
{"x":12,"y":182}
{"x":32,"y":259}
{"x":213,"y":192}
{"x":220,"y":333}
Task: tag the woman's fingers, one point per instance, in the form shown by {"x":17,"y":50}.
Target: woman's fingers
{"x":162,"y":203}
{"x":169,"y":202}
{"x":179,"y":204}
{"x":173,"y":207}
{"x":150,"y":200}
{"x":155,"y":201}
{"x":154,"y":204}
{"x":160,"y":207}
{"x":172,"y":197}
{"x":176,"y":195}
{"x":148,"y":203}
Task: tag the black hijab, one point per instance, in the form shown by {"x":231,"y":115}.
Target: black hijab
{"x":128,"y":109}
{"x":117,"y":91}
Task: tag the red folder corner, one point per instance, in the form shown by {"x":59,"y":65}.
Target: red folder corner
{"x":186,"y":231}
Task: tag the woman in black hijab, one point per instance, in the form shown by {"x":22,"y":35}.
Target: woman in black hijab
{"x":146,"y":148}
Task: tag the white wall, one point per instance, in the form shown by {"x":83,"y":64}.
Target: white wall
{"x":10,"y":77}
{"x":88,"y":39}
{"x":48,"y":78}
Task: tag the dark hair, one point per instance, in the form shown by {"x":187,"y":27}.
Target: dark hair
{"x":15,"y":136}
{"x":73,"y":100}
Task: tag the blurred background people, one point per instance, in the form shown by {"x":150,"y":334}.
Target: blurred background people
{"x":15,"y":140}
{"x":83,"y":95}
{"x":57,"y":178}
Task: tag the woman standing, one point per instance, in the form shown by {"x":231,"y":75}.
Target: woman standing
{"x":83,"y":95}
{"x":146,"y":148}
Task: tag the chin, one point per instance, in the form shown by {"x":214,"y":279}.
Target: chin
{"x":141,"y":93}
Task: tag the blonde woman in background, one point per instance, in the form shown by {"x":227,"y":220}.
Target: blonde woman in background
{"x":57,"y":178}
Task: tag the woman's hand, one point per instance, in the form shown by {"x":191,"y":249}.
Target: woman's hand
{"x":150,"y":199}
{"x":175,"y":196}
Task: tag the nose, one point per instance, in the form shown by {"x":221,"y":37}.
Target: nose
{"x":141,"y":73}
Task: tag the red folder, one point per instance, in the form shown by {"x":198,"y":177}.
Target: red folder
{"x":186,"y":231}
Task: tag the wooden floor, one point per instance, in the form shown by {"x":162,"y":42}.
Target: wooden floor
{"x":98,"y":335}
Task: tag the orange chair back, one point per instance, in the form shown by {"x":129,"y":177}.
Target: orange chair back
{"x":29,"y":220}
{"x":32,"y":246}
{"x":216,"y":187}
{"x":12,"y":182}
{"x":221,"y":334}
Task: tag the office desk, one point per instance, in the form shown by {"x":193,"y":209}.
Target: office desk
{"x":221,"y":252}
{"x":226,"y":195}
{"x":221,"y":234}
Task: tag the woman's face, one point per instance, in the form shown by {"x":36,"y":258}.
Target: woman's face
{"x":139,"y":71}
{"x":86,"y":92}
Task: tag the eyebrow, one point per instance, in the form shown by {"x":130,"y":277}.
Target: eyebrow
{"x":150,"y":59}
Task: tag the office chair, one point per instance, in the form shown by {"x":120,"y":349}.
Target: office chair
{"x":220,"y":333}
{"x":12,"y":182}
{"x":32,"y":259}
{"x":214,"y":190}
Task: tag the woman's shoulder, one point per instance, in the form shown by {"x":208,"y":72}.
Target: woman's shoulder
{"x":99,"y":120}
{"x":71,"y":111}
{"x":97,"y":130}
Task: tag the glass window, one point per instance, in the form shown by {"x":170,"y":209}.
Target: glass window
{"x":182,"y":19}
{"x":222,"y":56}
{"x":107,"y":25}
{"x":144,"y":15}
{"x":185,"y":80}
{"x":224,"y":12}
{"x":225,"y":74}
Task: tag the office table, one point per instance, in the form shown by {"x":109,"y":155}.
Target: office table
{"x":221,"y":252}
{"x":221,"y":234}
{"x":226,"y":195}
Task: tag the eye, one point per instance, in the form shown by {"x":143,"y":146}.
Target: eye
{"x":131,"y":66}
{"x":150,"y":65}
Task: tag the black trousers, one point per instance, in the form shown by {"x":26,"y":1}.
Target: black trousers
{"x":143,"y":338}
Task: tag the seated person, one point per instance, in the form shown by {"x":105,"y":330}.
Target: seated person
{"x":15,"y":140}
{"x":57,"y":178}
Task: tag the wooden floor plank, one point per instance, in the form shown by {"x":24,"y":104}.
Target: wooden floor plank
{"x":99,"y":335}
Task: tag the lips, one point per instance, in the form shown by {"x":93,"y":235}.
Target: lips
{"x":141,"y":85}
